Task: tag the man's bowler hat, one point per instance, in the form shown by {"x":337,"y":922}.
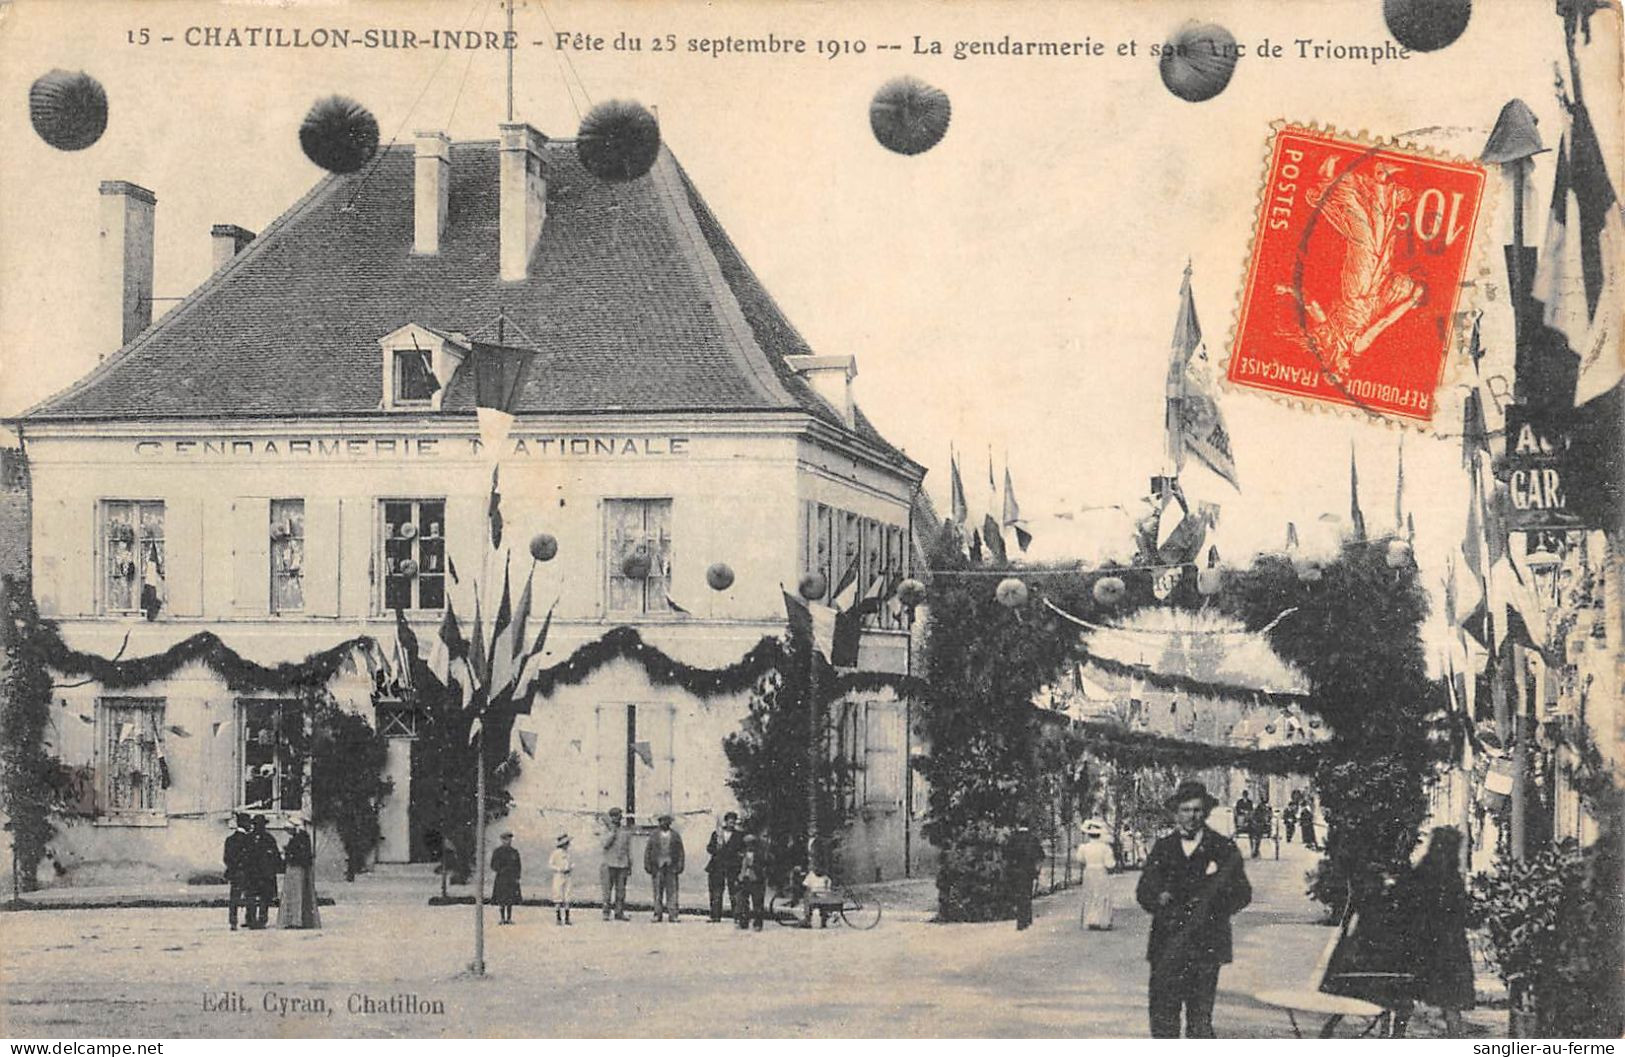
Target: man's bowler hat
{"x":1191,"y":789}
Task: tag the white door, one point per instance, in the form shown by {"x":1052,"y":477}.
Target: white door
{"x":393,"y":817}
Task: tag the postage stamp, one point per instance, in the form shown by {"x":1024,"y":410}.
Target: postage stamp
{"x":1358,"y":257}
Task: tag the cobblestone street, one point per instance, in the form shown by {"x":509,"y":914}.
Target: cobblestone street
{"x":153,"y":972}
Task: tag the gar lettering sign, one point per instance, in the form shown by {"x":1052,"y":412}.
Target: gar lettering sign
{"x":1539,"y":472}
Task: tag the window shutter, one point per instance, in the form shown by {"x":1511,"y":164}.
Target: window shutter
{"x":321,"y":559}
{"x":251,"y":555}
{"x":183,"y":556}
{"x":654,"y":782}
{"x":53,"y":550}
{"x":610,"y":765}
{"x":357,"y":530}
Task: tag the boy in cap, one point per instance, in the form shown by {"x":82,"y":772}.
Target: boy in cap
{"x":1192,"y":882}
{"x":752,"y":883}
{"x":562,"y":864}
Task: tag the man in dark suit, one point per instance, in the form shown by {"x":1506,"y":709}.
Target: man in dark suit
{"x":1192,"y":882}
{"x":663,"y":862}
{"x":235,"y":857}
{"x":722,"y":870}
{"x":263,"y":861}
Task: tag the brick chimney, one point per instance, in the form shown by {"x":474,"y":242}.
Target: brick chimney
{"x":523,"y":198}
{"x":831,"y":378}
{"x":127,"y":213}
{"x":229,"y":240}
{"x":431,"y":191}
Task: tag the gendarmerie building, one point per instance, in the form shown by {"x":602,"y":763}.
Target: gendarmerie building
{"x":264,"y":461}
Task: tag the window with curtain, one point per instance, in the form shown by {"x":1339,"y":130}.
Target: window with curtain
{"x":287,"y":555}
{"x":638,"y":553}
{"x":133,"y":557}
{"x":415,"y":382}
{"x":130,"y":755}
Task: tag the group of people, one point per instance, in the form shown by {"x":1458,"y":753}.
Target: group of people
{"x":1257,"y":821}
{"x":736,"y":872}
{"x":252,"y":862}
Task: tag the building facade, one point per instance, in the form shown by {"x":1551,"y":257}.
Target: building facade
{"x":292,"y":454}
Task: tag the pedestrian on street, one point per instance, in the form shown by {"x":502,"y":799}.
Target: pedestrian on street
{"x":1242,"y":816}
{"x":264,"y":861}
{"x":663,"y":862}
{"x":1437,"y":902}
{"x":1289,"y":817}
{"x":506,"y":866}
{"x":615,"y":864}
{"x":751,"y":894}
{"x":1306,"y":823}
{"x":1192,"y":883}
{"x":1095,"y":857}
{"x":1023,"y":855}
{"x":562,"y":863}
{"x":1263,"y":821}
{"x":298,"y":908}
{"x":722,"y":870}
{"x":235,"y":856}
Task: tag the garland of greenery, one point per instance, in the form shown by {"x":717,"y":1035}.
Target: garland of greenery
{"x":205,"y":648}
{"x":1185,"y":684}
{"x":26,"y":771}
{"x":1133,"y":748}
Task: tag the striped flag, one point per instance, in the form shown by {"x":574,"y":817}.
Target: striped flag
{"x":508,"y":643}
{"x":1012,"y":514}
{"x":1578,"y":277}
{"x":956,"y":492}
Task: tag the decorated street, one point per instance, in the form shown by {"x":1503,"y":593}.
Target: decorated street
{"x":135,"y":972}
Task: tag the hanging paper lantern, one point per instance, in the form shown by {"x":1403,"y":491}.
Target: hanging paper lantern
{"x":1011,"y":593}
{"x":408,"y":531}
{"x":1197,"y":61}
{"x":1209,"y":581}
{"x":909,"y":116}
{"x":69,"y":110}
{"x":719,"y":576}
{"x":409,"y":568}
{"x":1398,"y":555}
{"x":813,"y":586}
{"x":911,"y":593}
{"x":339,"y":134}
{"x":1110,"y":590}
{"x":1426,"y":25}
{"x":618,"y":141}
{"x":636,"y":566}
{"x":543,"y":547}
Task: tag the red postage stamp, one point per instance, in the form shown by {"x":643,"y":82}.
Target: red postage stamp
{"x":1357,"y":264}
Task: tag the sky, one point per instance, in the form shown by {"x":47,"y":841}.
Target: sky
{"x":1012,"y":290}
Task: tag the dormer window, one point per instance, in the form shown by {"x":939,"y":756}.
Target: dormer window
{"x":418,"y":363}
{"x":415,"y":382}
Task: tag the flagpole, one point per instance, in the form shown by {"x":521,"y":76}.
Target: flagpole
{"x":479,"y":851}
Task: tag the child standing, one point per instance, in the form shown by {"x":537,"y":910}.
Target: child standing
{"x":562,"y":864}
{"x":505,"y":889}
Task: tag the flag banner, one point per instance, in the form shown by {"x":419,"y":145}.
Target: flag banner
{"x":959,"y":507}
{"x":644,"y":752}
{"x":1012,"y":514}
{"x":847,"y":637}
{"x":499,"y":374}
{"x":993,"y":538}
{"x":406,"y":651}
{"x":846,"y":590}
{"x":179,"y":731}
{"x":799,"y":616}
{"x":1195,"y":425}
{"x":671,"y":604}
{"x":527,"y":742}
{"x":448,"y":646}
{"x":1356,"y":516}
{"x":479,"y":659}
{"x":1578,"y":276}
{"x":501,"y":665}
{"x":823,"y":628}
{"x":493,"y":510}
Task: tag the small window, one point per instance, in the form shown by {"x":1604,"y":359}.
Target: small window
{"x":133,"y":557}
{"x":287,"y":555}
{"x":415,"y":382}
{"x":412,"y":553}
{"x":639,"y":554}
{"x":134,"y":772}
{"x":273,"y":775}
{"x":847,"y":752}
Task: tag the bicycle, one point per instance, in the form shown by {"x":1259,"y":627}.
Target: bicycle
{"x":839,"y":902}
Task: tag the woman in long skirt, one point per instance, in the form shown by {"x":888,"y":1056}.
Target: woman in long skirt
{"x":298,"y":908}
{"x":505,"y":863}
{"x":1096,"y":858}
{"x":1443,"y":962}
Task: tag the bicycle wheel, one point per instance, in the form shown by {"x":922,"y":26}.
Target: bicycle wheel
{"x":781,"y":911}
{"x":859,"y":913}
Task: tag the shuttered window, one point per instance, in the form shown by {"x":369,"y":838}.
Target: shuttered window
{"x":129,"y":755}
{"x":638,"y":553}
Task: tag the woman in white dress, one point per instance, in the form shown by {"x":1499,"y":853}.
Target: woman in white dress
{"x":1096,"y":858}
